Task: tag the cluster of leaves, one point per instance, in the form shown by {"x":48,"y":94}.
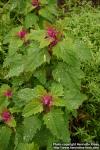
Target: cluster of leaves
{"x":40,"y":74}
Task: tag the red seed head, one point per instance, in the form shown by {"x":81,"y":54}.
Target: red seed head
{"x":8,"y":93}
{"x":21,"y":34}
{"x":47,"y":100}
{"x":6,"y":116}
{"x":35,"y":3}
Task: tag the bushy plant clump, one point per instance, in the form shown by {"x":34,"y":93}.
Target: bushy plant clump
{"x":42,"y":73}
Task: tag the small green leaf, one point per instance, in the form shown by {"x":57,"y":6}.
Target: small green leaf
{"x":64,"y":50}
{"x":15,"y":43}
{"x":59,"y":102}
{"x":40,"y":74}
{"x":11,"y":123}
{"x":15,"y":71}
{"x":32,"y":108}
{"x":39,"y":91}
{"x":30,"y":20}
{"x":36,"y":59}
{"x":74,"y":99}
{"x":26,"y":95}
{"x":57,"y":89}
{"x":48,"y":16}
{"x":44,"y":43}
{"x":69,"y":77}
{"x":37,"y":35}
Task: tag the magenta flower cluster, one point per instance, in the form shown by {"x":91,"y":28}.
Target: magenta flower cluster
{"x":53,"y":34}
{"x":8,"y":93}
{"x":47,"y":100}
{"x":21,"y":34}
{"x":6,"y":116}
{"x":35,"y":3}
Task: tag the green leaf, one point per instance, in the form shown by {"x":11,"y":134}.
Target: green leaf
{"x":37,"y":35}
{"x":15,"y":71}
{"x":15,"y":44}
{"x":14,"y":59}
{"x":26,"y":95}
{"x":31,"y":126}
{"x":26,"y":146}
{"x":44,"y":43}
{"x":57,"y":89}
{"x":39,"y":91}
{"x":4,"y":102}
{"x":40,"y":74}
{"x":59,"y":102}
{"x":5,"y":134}
{"x":55,"y":122}
{"x":69,"y":77}
{"x":32,"y":108}
{"x":64,"y":50}
{"x":40,"y":36}
{"x":4,"y":88}
{"x":74,"y":99}
{"x":16,"y":63}
{"x":48,"y":16}
{"x":11,"y":123}
{"x":30,"y":20}
{"x":43,"y":134}
{"x":36,"y":59}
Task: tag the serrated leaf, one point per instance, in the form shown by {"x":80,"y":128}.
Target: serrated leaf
{"x":15,"y":43}
{"x":69,"y":77}
{"x":31,"y":125}
{"x":36,"y":59}
{"x":5,"y":134}
{"x":74,"y":99}
{"x":26,"y":146}
{"x":15,"y":71}
{"x":55,"y":122}
{"x":32,"y":108}
{"x":59,"y":102}
{"x":37,"y":35}
{"x":11,"y":122}
{"x":48,"y":16}
{"x":40,"y":74}
{"x":43,"y":134}
{"x":30,"y":20}
{"x":13,"y":60}
{"x":40,"y":36}
{"x":3,"y":88}
{"x":44,"y":43}
{"x":64,"y":50}
{"x":16,"y":63}
{"x":39,"y":91}
{"x":26,"y":95}
{"x":57,"y":89}
{"x":4,"y":102}
{"x":18,"y":135}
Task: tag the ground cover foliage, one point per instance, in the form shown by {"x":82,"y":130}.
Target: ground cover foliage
{"x":49,"y":73}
